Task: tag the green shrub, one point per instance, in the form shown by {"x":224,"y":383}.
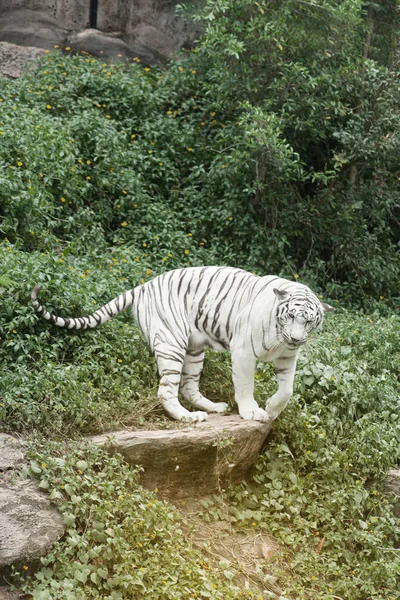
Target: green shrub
{"x":121,"y":541}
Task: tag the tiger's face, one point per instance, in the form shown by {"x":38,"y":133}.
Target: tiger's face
{"x":298,"y":314}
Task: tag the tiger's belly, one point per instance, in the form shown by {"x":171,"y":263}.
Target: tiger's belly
{"x":199,"y":339}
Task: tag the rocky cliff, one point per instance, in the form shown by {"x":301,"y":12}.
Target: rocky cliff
{"x":112,"y":29}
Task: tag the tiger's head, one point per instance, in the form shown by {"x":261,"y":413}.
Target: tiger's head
{"x":298,"y":314}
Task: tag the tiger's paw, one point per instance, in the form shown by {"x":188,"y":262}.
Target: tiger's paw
{"x":254,"y":414}
{"x":197,"y":416}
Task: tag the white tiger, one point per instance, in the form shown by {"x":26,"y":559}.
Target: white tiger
{"x":184,"y":311}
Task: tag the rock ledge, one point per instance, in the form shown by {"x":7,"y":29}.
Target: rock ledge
{"x":196,"y":460}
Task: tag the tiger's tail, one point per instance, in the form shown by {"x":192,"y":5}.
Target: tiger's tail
{"x":104,"y":314}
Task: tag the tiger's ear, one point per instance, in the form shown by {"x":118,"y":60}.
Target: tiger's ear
{"x":280,"y":294}
{"x":327,"y":307}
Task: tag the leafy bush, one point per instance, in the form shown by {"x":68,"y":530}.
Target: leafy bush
{"x":121,"y":541}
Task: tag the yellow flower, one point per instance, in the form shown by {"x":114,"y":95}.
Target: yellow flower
{"x":296,"y":276}
{"x":19,"y":163}
{"x":88,"y":177}
{"x":254,"y":524}
{"x":133,"y":136}
{"x":63,"y":200}
{"x":124,"y":224}
{"x":88,"y":162}
{"x":44,"y":465}
{"x":144,"y":245}
{"x":26,"y":568}
{"x":147,"y":69}
{"x":230,"y":218}
{"x":67,"y":48}
{"x":119,"y":360}
{"x":108,"y":117}
{"x":56,"y":46}
{"x":190,"y":149}
{"x":333,"y":378}
{"x":186,"y":251}
{"x":194,"y":71}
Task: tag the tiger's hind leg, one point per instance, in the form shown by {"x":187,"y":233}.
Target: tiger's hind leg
{"x":189,"y":388}
{"x":170,"y":359}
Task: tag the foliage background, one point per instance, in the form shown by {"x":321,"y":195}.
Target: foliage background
{"x":271,"y":145}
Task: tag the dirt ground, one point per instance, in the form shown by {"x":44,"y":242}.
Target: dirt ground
{"x":242,"y":553}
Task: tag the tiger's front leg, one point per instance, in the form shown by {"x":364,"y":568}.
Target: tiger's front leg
{"x":243,"y":370}
{"x":285,"y":370}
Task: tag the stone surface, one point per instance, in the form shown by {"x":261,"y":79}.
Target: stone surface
{"x":392,"y":485}
{"x":29,"y":524}
{"x":195,"y":460}
{"x":149,"y":29}
{"x":14,"y":59}
{"x":11,"y":453}
{"x":7,"y":593}
{"x":99,"y":44}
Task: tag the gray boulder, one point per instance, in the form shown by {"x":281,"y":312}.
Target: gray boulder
{"x":29,"y":524}
{"x":195,"y":460}
{"x":109,"y":46}
{"x":14,"y":59}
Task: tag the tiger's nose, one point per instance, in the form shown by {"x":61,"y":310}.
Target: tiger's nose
{"x":296,"y":340}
